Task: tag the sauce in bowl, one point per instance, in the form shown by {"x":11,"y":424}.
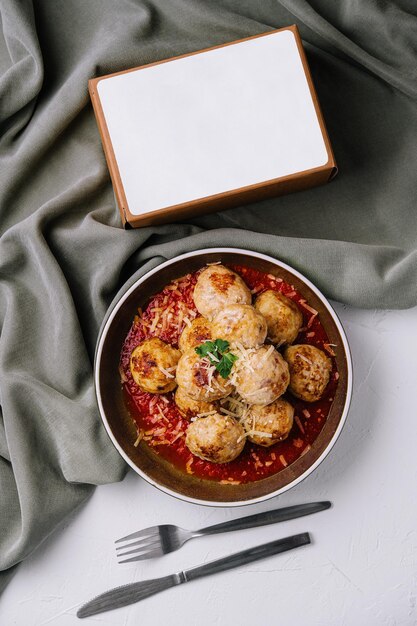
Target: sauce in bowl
{"x":159,"y":422}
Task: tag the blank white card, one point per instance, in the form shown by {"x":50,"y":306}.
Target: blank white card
{"x":212,"y":122}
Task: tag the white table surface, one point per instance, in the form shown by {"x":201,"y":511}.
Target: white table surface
{"x":360,"y":570}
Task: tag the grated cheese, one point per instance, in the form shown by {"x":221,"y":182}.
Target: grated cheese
{"x":230,"y":481}
{"x":266,"y":356}
{"x":244,"y":356}
{"x":310,"y":309}
{"x":260,"y":433}
{"x":226,"y":412}
{"x":188,"y":466}
{"x":306,"y":449}
{"x":210,"y":372}
{"x":311,"y":320}
{"x":177,"y":436}
{"x":159,"y":431}
{"x":161,"y":412}
{"x":304,"y":358}
{"x":139,"y":438}
{"x":299,"y":424}
{"x":242,"y":437}
{"x":154,"y":323}
{"x":165,"y":372}
{"x":329,"y":348}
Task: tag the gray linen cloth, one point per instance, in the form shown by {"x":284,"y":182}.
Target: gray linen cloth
{"x":64,"y":255}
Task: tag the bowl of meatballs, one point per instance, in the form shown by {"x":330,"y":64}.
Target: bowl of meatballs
{"x":223,"y":376}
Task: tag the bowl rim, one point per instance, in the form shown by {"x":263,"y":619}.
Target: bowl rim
{"x":265,"y":257}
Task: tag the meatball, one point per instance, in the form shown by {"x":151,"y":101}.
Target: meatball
{"x":216,"y":438}
{"x":309,"y":371}
{"x":152,"y":365}
{"x":240,"y":323}
{"x":262,"y":375}
{"x":199,"y":379}
{"x":217,"y":286}
{"x":196,"y":334}
{"x":283,"y":317}
{"x":189,"y":407}
{"x":275,"y":420}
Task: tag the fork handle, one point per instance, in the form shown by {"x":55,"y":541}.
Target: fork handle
{"x":268,"y":517}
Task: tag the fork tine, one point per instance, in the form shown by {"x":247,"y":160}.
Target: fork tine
{"x":146,"y":532}
{"x":141,"y":557}
{"x":147,"y":547}
{"x":139,"y":542}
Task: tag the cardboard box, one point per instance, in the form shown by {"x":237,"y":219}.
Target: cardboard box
{"x":212,"y":129}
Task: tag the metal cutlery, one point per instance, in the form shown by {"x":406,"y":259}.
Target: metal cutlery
{"x":134,"y":592}
{"x":158,"y":540}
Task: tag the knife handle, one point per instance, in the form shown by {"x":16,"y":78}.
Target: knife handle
{"x":267,"y":517}
{"x":246,"y":556}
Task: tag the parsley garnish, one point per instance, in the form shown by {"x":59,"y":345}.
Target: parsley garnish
{"x":219,"y":349}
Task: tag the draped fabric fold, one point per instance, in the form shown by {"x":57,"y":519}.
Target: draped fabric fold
{"x":64,"y":255}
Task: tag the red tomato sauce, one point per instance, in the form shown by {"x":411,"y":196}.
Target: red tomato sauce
{"x":159,"y":422}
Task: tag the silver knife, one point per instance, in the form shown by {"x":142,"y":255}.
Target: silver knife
{"x":128,"y":594}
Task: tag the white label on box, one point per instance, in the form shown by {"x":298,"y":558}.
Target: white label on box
{"x":212,"y":122}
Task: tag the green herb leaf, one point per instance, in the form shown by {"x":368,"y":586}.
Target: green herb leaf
{"x":218,"y":354}
{"x":224,"y":367}
{"x":221,"y":345}
{"x":204,"y":348}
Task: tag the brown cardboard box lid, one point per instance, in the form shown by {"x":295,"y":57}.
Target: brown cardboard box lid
{"x":183,"y":134}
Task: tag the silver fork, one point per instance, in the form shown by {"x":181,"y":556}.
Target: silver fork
{"x":158,"y":540}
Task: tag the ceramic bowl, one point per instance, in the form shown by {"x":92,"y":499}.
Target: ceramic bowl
{"x":121,"y":430}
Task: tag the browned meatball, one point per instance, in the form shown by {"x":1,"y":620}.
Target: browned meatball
{"x":283,"y":317}
{"x":262,"y":375}
{"x":240,"y":323}
{"x":309,"y":371}
{"x":216,"y":438}
{"x":189,"y":407}
{"x":217,"y":286}
{"x":269,"y":424}
{"x":153,"y":364}
{"x":199,"y":379}
{"x":192,"y":336}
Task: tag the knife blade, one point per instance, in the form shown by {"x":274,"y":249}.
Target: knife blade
{"x":134,"y":592}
